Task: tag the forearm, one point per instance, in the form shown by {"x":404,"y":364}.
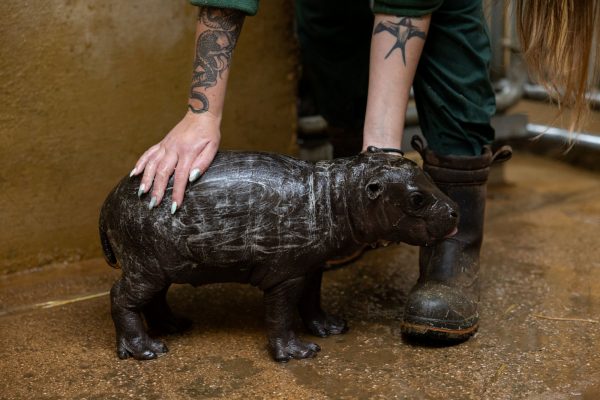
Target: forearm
{"x":396,"y":47}
{"x":217,"y":32}
{"x":188,"y":149}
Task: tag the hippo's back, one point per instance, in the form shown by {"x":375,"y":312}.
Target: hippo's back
{"x":248,"y":209}
{"x":250,"y":206}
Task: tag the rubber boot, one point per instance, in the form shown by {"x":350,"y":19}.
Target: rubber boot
{"x":443,"y":305}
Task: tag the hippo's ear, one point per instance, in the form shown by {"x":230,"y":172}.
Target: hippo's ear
{"x":374,"y":188}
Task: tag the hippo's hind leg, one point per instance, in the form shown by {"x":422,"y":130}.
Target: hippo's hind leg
{"x":280,"y":307}
{"x":128,"y":298}
{"x":160,"y":318}
{"x":317,"y":321}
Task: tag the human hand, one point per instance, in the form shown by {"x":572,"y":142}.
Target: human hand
{"x":188,"y":149}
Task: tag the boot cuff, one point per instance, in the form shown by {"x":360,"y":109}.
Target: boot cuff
{"x":459,"y":169}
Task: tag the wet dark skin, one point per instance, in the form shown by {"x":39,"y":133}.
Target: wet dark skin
{"x":268,"y":220}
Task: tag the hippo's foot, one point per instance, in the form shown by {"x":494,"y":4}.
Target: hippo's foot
{"x":140,"y":348}
{"x":167,"y":324}
{"x":283,"y":350}
{"x":323,"y":325}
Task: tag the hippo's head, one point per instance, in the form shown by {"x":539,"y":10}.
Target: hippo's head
{"x":399,"y":202}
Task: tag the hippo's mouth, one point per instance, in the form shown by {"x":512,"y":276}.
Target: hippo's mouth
{"x":437,"y":237}
{"x":452,"y":233}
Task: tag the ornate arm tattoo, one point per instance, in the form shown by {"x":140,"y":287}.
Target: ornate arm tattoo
{"x":403,"y":30}
{"x":214,"y":49}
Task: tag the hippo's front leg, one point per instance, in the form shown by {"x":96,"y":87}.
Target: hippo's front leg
{"x":280,"y":305}
{"x":317,"y":321}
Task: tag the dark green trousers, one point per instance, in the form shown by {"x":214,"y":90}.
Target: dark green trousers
{"x":453,"y":93}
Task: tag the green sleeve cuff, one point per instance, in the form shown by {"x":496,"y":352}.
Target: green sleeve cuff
{"x":250,"y":7}
{"x":406,"y":8}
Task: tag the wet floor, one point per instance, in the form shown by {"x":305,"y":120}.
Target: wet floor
{"x":539,"y":335}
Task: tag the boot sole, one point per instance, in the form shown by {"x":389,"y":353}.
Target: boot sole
{"x":437,"y":334}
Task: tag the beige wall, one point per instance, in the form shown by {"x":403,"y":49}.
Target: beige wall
{"x":86,"y":86}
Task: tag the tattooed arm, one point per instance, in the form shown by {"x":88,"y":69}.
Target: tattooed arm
{"x":396,"y":47}
{"x":189,"y":148}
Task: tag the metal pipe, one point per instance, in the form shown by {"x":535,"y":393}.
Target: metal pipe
{"x":577,"y":148}
{"x":539,"y":93}
{"x":564,"y":135}
{"x":508,"y":93}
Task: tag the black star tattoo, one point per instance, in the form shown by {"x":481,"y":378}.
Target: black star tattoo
{"x":403,"y":31}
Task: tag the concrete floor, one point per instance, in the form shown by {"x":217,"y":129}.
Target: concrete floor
{"x":541,"y":262}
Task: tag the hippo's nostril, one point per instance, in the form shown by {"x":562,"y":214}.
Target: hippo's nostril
{"x":453,"y":214}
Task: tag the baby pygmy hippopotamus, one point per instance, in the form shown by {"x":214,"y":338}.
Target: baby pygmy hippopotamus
{"x":268,"y":220}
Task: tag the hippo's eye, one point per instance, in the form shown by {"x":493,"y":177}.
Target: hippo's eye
{"x":416,"y":199}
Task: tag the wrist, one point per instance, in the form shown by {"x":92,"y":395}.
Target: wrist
{"x":204,"y":117}
{"x":382,"y":138}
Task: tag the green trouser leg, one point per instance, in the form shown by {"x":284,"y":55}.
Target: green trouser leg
{"x":453,"y":93}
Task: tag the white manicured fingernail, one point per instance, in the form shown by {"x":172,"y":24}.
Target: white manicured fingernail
{"x":194,"y":174}
{"x":132,"y":173}
{"x":141,"y":190}
{"x":152,"y":203}
{"x":173,"y":207}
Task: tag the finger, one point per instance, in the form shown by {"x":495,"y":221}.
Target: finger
{"x":161,"y":179}
{"x":182,"y":172}
{"x":150,"y":171}
{"x":140,"y":165}
{"x":203,"y":161}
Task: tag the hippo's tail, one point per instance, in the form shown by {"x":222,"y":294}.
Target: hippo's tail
{"x":109,"y":255}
